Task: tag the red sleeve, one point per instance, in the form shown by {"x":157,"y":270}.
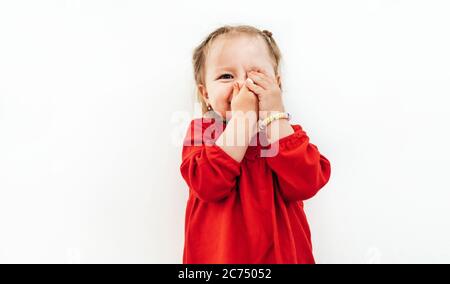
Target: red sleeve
{"x":301,"y":171}
{"x":208,"y":171}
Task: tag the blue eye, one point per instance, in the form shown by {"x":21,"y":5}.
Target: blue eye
{"x":224,"y":75}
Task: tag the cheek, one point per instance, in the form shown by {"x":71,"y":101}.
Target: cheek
{"x":221,"y":93}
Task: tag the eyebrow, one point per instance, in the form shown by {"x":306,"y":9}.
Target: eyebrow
{"x":223,"y":68}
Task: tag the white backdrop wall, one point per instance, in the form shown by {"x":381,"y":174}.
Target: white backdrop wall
{"x":95,"y":97}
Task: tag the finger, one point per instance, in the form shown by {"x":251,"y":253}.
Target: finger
{"x":243,"y":88}
{"x":235,"y":90}
{"x":260,"y":80}
{"x":265,"y":75}
{"x":268,"y":76}
{"x":253,"y":87}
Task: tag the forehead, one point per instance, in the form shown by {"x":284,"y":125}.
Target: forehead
{"x":227,"y":52}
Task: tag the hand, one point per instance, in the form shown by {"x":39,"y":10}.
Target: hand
{"x":267,"y":91}
{"x":244,"y":101}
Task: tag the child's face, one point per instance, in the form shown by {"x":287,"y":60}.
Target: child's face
{"x":229,"y":59}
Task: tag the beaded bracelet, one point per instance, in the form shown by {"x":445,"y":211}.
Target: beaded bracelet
{"x":280,"y":115}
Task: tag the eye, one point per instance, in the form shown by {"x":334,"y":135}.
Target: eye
{"x":221,"y":76}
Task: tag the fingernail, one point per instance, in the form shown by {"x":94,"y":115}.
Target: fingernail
{"x":249,"y":80}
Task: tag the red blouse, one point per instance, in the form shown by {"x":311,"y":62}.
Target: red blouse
{"x":252,"y":211}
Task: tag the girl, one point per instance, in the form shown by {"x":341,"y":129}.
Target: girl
{"x":248,"y":169}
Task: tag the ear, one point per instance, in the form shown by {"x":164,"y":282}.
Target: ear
{"x":203,"y":93}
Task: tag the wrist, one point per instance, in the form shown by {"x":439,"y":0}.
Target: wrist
{"x":263,"y":114}
{"x":245,"y":123}
{"x":272,"y":117}
{"x":278,"y":129}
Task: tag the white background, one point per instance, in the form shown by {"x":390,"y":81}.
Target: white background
{"x":96,"y":95}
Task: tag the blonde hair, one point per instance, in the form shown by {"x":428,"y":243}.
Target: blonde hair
{"x":201,"y":51}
